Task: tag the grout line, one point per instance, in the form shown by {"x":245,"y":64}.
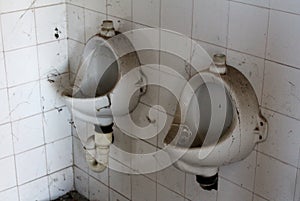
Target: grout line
{"x":254,"y":181}
{"x":278,"y":160}
{"x":280,"y":113}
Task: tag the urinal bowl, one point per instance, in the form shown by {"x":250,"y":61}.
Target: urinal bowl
{"x":197,"y":148}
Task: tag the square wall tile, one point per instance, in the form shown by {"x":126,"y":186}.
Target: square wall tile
{"x":3,"y":83}
{"x":47,"y":2}
{"x":7,"y":173}
{"x":241,"y":173}
{"x":258,"y":198}
{"x":4,"y":107}
{"x":75,"y":50}
{"x":7,"y":6}
{"x":75,"y":19}
{"x":251,"y":67}
{"x":100,"y":176}
{"x":35,"y":190}
{"x":6,"y":143}
{"x":282,"y":89}
{"x":287,"y":5}
{"x":114,"y":196}
{"x":231,"y":192}
{"x":18,"y":29}
{"x":1,"y":44}
{"x":120,"y":182}
{"x":248,"y":28}
{"x":10,"y":195}
{"x":163,"y":194}
{"x":262,"y":3}
{"x":56,"y":125}
{"x":274,"y":180}
{"x":21,"y":66}
{"x":143,"y":188}
{"x":283,"y":140}
{"x":28,"y":133}
{"x":97,"y":5}
{"x":81,"y":182}
{"x":121,"y":9}
{"x":146,"y":12}
{"x":98,"y":191}
{"x":61,"y":183}
{"x":24,"y":100}
{"x":92,"y":23}
{"x":31,"y":165}
{"x":79,"y":155}
{"x":53,"y":58}
{"x":59,"y":155}
{"x":210,"y":21}
{"x":194,"y":192}
{"x":284,"y":38}
{"x":176,"y":15}
{"x":212,"y":49}
{"x":297,"y":193}
{"x":51,"y":23}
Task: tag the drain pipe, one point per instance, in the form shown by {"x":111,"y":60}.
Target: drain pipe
{"x":103,"y":138}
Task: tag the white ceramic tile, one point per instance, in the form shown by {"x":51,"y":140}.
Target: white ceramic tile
{"x":27,"y":133}
{"x":283,"y":39}
{"x":56,"y":125}
{"x":93,"y":21}
{"x":241,"y":173}
{"x":120,"y":182}
{"x":146,"y":12}
{"x":274,"y":180}
{"x":167,"y":195}
{"x":172,"y":178}
{"x":211,"y":21}
{"x":53,"y":58}
{"x":61,"y":182}
{"x":79,"y":155}
{"x":21,"y":66}
{"x":281,"y":89}
{"x":194,"y":192}
{"x":25,"y":100}
{"x":176,"y":15}
{"x":258,"y":198}
{"x":262,"y":3}
{"x":120,"y":9}
{"x":51,"y":91}
{"x":6,"y":6}
{"x":287,"y":5}
{"x":18,"y":29}
{"x":283,"y":140}
{"x":248,"y":28}
{"x":98,"y":191}
{"x":31,"y":165}
{"x":3,"y":83}
{"x":229,"y":191}
{"x":139,"y":184}
{"x":10,"y":195}
{"x":75,"y":20}
{"x":212,"y":49}
{"x":4,"y":107}
{"x":7,"y":173}
{"x":6,"y":143}
{"x":75,"y":50}
{"x":76,"y":2}
{"x":121,"y":25}
{"x":1,"y":44}
{"x":40,"y":192}
{"x":81,"y":182}
{"x":297,"y":193}
{"x":59,"y":155}
{"x":47,"y":2}
{"x":114,"y":196}
{"x":251,"y":67}
{"x":100,"y":176}
{"x":51,"y":23}
{"x":97,"y":5}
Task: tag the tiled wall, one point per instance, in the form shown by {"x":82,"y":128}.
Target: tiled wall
{"x":261,"y":39}
{"x":36,"y":146}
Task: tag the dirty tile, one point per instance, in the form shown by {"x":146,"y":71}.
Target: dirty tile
{"x":53,"y":58}
{"x":212,"y":49}
{"x":18,"y":29}
{"x":98,"y":191}
{"x":75,"y":19}
{"x":262,"y":3}
{"x":272,"y":185}
{"x":139,"y":184}
{"x":21,"y":66}
{"x":3,"y":83}
{"x":114,"y":196}
{"x":56,"y":124}
{"x":245,"y":19}
{"x":27,"y":133}
{"x":61,"y":183}
{"x":258,"y":198}
{"x":120,"y":182}
{"x":93,"y":21}
{"x":40,"y":192}
{"x":6,"y":143}
{"x":176,"y":15}
{"x":232,"y":192}
{"x":120,"y":9}
{"x":31,"y":165}
{"x":297,"y":193}
{"x":4,"y":107}
{"x":51,"y":23}
{"x":7,"y":6}
{"x":75,"y":50}
{"x":146,"y":12}
{"x":167,"y":195}
{"x":79,"y":155}
{"x":24,"y":100}
{"x":283,"y":38}
{"x":81,"y":182}
{"x":288,"y":5}
{"x":214,"y":31}
{"x":59,"y":155}
{"x":10,"y":195}
{"x":281,"y":89}
{"x":47,"y":2}
{"x":97,"y":5}
{"x":7,"y":173}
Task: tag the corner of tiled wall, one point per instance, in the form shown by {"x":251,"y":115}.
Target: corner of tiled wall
{"x":36,"y":156}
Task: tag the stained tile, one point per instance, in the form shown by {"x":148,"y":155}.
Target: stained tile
{"x":40,"y":192}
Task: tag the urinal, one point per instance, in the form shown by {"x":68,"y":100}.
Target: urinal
{"x":217,"y":122}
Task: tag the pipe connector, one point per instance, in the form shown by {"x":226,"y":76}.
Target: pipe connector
{"x":107,"y":29}
{"x":219,"y":64}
